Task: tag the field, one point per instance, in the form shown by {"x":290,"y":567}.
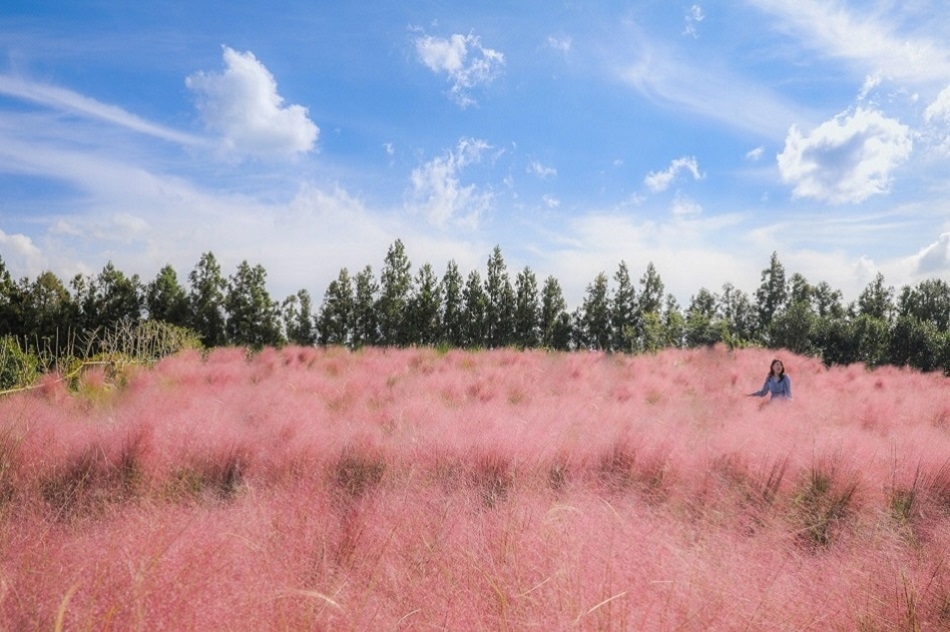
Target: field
{"x":321,"y":489}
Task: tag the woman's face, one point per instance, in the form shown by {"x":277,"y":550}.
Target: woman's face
{"x":777,"y":368}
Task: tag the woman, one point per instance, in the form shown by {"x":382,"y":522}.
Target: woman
{"x":777,"y":383}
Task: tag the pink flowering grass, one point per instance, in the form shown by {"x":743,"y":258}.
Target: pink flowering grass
{"x":504,"y":490}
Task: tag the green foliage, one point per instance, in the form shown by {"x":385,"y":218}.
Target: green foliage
{"x":394,"y":290}
{"x":18,"y":368}
{"x":252,"y":316}
{"x":206,"y":301}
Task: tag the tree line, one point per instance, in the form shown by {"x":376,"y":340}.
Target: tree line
{"x":403,"y":307}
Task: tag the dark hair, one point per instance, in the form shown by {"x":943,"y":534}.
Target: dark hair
{"x":780,"y":375}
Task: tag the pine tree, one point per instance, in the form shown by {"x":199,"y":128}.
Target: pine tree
{"x":500,"y":302}
{"x":623,"y":311}
{"x":206,"y":301}
{"x":770,"y":297}
{"x":365,"y":323}
{"x":252,"y":316}
{"x":527,"y":310}
{"x":475,"y":309}
{"x":424,"y":307}
{"x":165,"y":298}
{"x":299,"y":326}
{"x":453,"y":306}
{"x":395,"y":286}
{"x":594,"y":316}
{"x":334,"y":323}
{"x":555,"y":321}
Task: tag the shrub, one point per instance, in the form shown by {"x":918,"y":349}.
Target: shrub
{"x":17,"y":367}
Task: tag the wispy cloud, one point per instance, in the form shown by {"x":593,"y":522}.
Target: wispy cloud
{"x":694,"y":16}
{"x":64,"y":100}
{"x":465,"y":62}
{"x":541,"y":171}
{"x":847,"y":159}
{"x":242,"y":104}
{"x":709,"y":90}
{"x":878,"y":39}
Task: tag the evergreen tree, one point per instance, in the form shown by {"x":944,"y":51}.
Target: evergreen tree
{"x":334,"y":323}
{"x":527,"y":332}
{"x":476,"y":308}
{"x":674,"y":323}
{"x":623,"y":311}
{"x":365,"y":323}
{"x":165,"y":298}
{"x":827,"y":301}
{"x":737,"y":311}
{"x":299,"y":326}
{"x":12,"y":320}
{"x":877,"y":299}
{"x":52,"y":312}
{"x":703,"y":328}
{"x":593,"y":318}
{"x":500,"y":302}
{"x":106,"y":300}
{"x":206,"y":301}
{"x":395,"y":287}
{"x":770,"y":297}
{"x":555,"y":321}
{"x":253,"y":318}
{"x":453,"y":306}
{"x":424,"y":307}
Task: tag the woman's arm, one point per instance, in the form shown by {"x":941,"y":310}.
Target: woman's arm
{"x":763,"y":391}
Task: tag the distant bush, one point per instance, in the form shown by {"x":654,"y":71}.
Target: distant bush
{"x":17,"y":367}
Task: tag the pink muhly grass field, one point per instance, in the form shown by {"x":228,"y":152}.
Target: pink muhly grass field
{"x":504,"y":490}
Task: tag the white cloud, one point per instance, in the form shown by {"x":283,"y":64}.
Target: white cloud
{"x":68,"y":101}
{"x":561,"y":44}
{"x":242,"y":104}
{"x":935,"y":258}
{"x":708,"y":89}
{"x":870,"y":83}
{"x":693,"y":17}
{"x":463,"y":59}
{"x":541,"y":171}
{"x":437,"y":191}
{"x":847,"y":159}
{"x":550,"y":201}
{"x":939,"y":109}
{"x":685,"y":206}
{"x":874,"y":39}
{"x":20,"y":253}
{"x":755,"y":154}
{"x":661,"y":180}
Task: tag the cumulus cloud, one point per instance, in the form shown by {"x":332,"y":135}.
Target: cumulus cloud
{"x":242,"y":104}
{"x":463,"y":60}
{"x":438,"y":193}
{"x":847,"y":159}
{"x":20,"y":253}
{"x":660,"y":180}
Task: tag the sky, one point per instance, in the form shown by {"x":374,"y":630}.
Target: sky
{"x":309,"y":136}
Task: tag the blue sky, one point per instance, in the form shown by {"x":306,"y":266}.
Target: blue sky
{"x":308,"y":136}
